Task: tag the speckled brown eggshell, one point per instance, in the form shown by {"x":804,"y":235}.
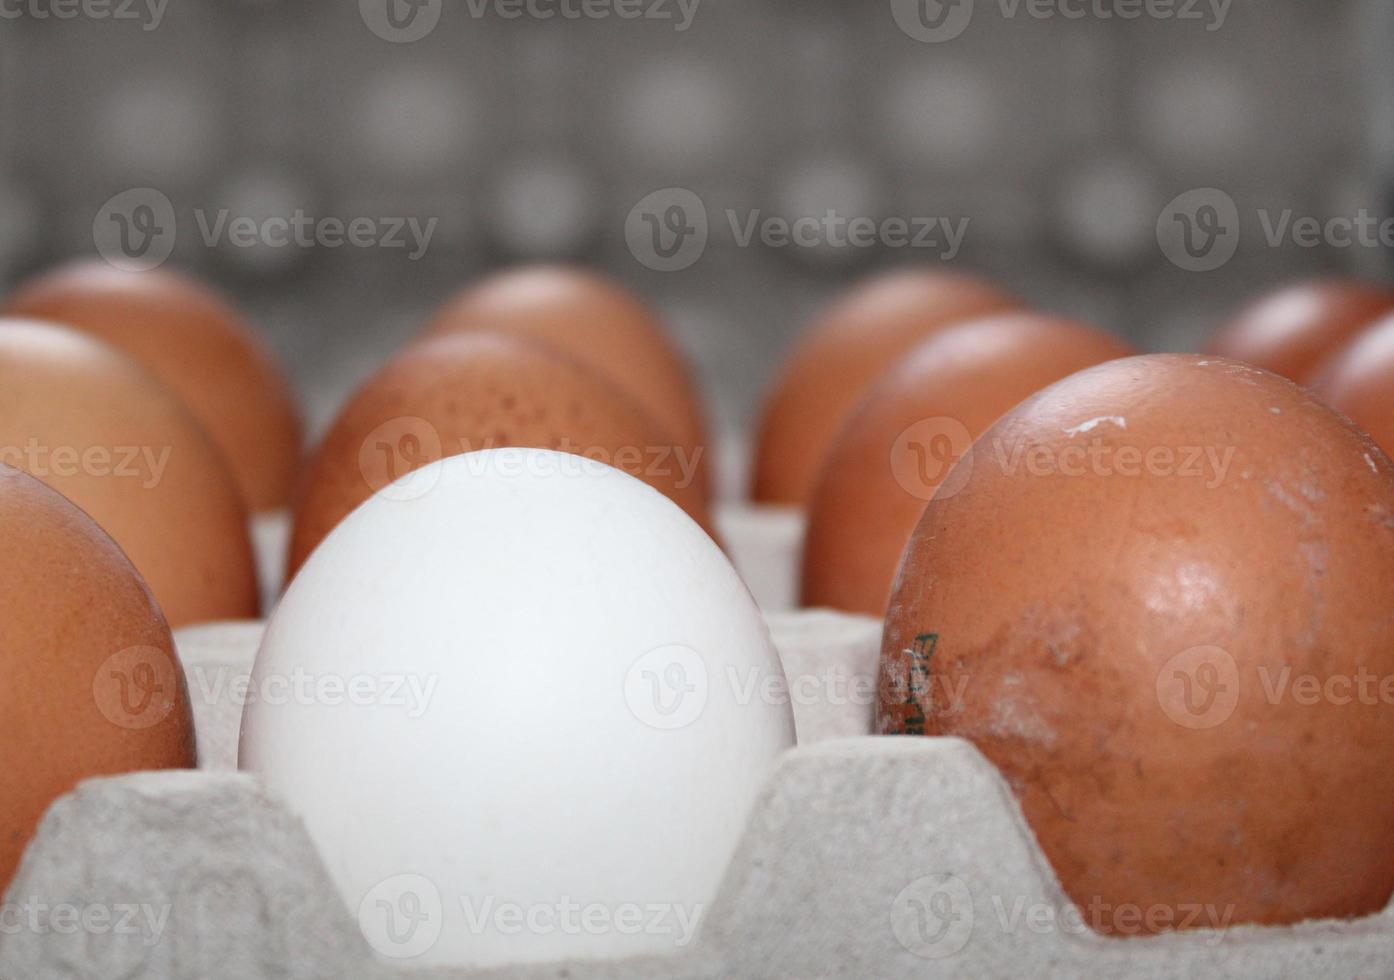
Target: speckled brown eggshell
{"x":190,"y":338}
{"x":95,"y":426}
{"x":595,"y":321}
{"x":1110,"y":629}
{"x":841,"y":355}
{"x":472,"y":391}
{"x":899,"y":444}
{"x":77,"y":624}
{"x":1290,"y":331}
{"x":1358,"y":381}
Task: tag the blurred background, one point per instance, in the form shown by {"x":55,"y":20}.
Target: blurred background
{"x":1140,"y":163}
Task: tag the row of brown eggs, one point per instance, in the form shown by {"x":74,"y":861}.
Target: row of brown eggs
{"x":922,"y":386}
{"x":1107,"y":572}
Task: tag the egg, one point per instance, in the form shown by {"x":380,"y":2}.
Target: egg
{"x":597,"y":322}
{"x":902,"y":440}
{"x":1358,"y":381}
{"x":93,"y":425}
{"x":1160,"y":604}
{"x":841,"y":355}
{"x":1292,"y":330}
{"x":536,"y":689}
{"x":472,"y":391}
{"x":92,"y":685}
{"x":190,"y":338}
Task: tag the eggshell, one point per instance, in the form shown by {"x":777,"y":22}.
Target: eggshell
{"x":472,"y":391}
{"x":597,"y":322}
{"x":93,"y":425}
{"x":190,"y":338}
{"x":603,"y":705}
{"x":1292,"y":330}
{"x":1131,"y":635}
{"x":841,"y":355}
{"x":1358,"y":381}
{"x":920,"y":418}
{"x":92,"y":686}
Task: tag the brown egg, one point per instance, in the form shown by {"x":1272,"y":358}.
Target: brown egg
{"x":598,"y":323}
{"x":92,"y":684}
{"x":841,"y":356}
{"x":473,"y":391}
{"x":193,"y":341}
{"x":1290,"y":331}
{"x":1358,"y":381}
{"x":1126,"y":607}
{"x":901,"y":441}
{"x":92,"y":424}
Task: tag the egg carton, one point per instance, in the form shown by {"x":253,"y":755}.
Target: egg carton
{"x":862,"y":856}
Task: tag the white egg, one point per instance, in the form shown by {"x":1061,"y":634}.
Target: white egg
{"x":523,"y":704}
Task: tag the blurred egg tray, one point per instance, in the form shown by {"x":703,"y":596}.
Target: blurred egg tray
{"x":1061,"y":141}
{"x":863,"y":856}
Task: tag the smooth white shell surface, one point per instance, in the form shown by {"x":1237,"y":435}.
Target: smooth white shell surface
{"x":523,"y":704}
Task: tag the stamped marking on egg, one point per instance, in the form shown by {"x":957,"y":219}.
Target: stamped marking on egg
{"x":908,"y":717}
